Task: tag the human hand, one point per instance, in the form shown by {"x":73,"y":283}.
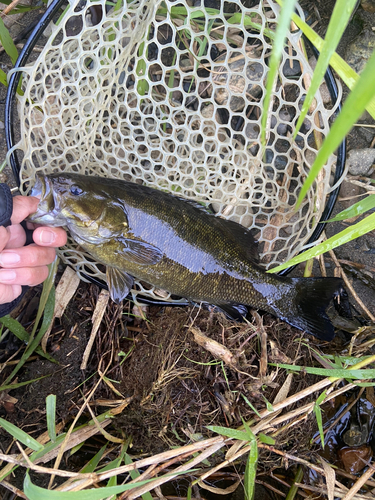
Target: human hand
{"x":25,"y":265}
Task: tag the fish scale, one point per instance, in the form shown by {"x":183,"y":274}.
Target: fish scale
{"x":179,"y":246}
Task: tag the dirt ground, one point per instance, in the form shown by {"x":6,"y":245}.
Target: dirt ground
{"x":176,"y":388}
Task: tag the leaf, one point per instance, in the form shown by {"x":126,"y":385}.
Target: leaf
{"x":34,"y":492}
{"x":318,"y":416}
{"x":7,"y":42}
{"x":20,"y":435}
{"x":251,"y":471}
{"x":337,"y":24}
{"x":352,"y":109}
{"x":232,"y":433}
{"x":277,"y":49}
{"x":10,"y":387}
{"x":266,"y":439}
{"x":330,"y":479}
{"x":3,"y":78}
{"x":251,"y":406}
{"x":134,"y":474}
{"x":358,"y":208}
{"x":348,"y":234}
{"x":46,"y":304}
{"x":51,"y":416}
{"x":93,"y":463}
{"x":19,"y":331}
{"x":334,"y":372}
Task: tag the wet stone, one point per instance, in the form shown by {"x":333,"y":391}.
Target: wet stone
{"x":360,"y":49}
{"x":355,"y":459}
{"x":360,"y":161}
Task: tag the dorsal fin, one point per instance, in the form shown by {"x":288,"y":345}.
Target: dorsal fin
{"x":244,"y":237}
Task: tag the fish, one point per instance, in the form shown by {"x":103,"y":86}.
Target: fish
{"x":178,"y":245}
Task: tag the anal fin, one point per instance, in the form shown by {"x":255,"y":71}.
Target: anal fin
{"x":119,"y":284}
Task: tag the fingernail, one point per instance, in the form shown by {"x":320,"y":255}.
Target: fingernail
{"x":47,"y":236}
{"x":7,"y":258}
{"x":6,"y":276}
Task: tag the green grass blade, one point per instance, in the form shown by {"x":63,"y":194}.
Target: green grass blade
{"x":327,"y":372}
{"x":358,"y":208}
{"x":34,"y":492}
{"x":134,"y":474}
{"x":337,"y":24}
{"x":93,"y":463}
{"x":20,"y":435}
{"x":266,"y":439}
{"x":348,"y":234}
{"x":231,"y":433}
{"x":3,"y":78}
{"x":251,"y":406}
{"x":19,"y":331}
{"x":51,"y":416}
{"x":318,"y":416}
{"x":251,"y":471}
{"x":277,"y":49}
{"x":7,"y":42}
{"x":292,"y":493}
{"x":348,"y":75}
{"x":46,"y":305}
{"x":353,"y":108}
{"x":10,"y":387}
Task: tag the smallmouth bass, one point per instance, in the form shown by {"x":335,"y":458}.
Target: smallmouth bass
{"x":179,"y":246}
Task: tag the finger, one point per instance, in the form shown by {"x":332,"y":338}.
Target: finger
{"x":17,"y":236}
{"x":50,"y":236}
{"x":9,"y":292}
{"x":23,"y":206}
{"x":4,"y":237}
{"x":24,"y":276}
{"x":30,"y":256}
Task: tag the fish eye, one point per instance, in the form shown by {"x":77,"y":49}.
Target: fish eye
{"x":75,"y":190}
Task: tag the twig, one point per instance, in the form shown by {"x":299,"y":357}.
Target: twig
{"x":45,"y":470}
{"x":97,"y":317}
{"x":263,"y":362}
{"x":358,"y":484}
{"x":10,"y":7}
{"x":13,"y":489}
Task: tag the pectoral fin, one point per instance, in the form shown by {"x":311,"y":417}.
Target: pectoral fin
{"x":141,"y":253}
{"x":119,"y":284}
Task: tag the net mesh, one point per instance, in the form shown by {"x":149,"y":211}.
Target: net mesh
{"x":170,"y":95}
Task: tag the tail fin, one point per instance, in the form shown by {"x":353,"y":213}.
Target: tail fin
{"x":307,"y":310}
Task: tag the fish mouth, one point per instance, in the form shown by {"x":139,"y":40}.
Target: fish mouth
{"x":48,"y":210}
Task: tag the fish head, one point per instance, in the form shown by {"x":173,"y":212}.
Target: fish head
{"x":78,"y":203}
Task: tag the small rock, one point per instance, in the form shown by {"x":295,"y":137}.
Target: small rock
{"x":349,"y":194}
{"x":368,"y":5}
{"x":360,"y":49}
{"x":359,"y":161}
{"x":355,"y":459}
{"x":2,"y":125}
{"x":292,"y":67}
{"x":355,"y":435}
